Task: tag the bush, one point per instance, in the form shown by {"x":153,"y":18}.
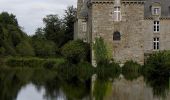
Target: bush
{"x":53,"y":63}
{"x":157,"y":72}
{"x":44,"y":48}
{"x":85,"y":70}
{"x":2,"y":51}
{"x":67,"y":71}
{"x":106,"y":70}
{"x":100,"y":50}
{"x":76,"y":51}
{"x":25,"y":49}
{"x":158,"y":63}
{"x":49,"y":64}
{"x":131,"y":70}
{"x":131,"y":66}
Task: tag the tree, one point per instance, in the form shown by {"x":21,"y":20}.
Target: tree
{"x":69,"y":19}
{"x":11,"y":34}
{"x":25,"y":49}
{"x":76,"y":51}
{"x":44,"y":48}
{"x":53,"y":29}
{"x":6,"y":18}
{"x":39,"y":34}
{"x":100,"y":50}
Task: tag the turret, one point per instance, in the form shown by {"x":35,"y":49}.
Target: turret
{"x":79,"y":6}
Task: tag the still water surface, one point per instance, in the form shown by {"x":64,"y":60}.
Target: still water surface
{"x":28,"y":84}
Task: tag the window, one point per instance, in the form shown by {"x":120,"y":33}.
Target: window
{"x":84,"y":26}
{"x":156,"y":11}
{"x":156,"y":43}
{"x":156,"y":26}
{"x":117,"y":13}
{"x":116,"y":35}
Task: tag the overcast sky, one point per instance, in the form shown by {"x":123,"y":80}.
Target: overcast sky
{"x":30,"y":12}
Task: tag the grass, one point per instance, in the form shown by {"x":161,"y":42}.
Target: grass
{"x":33,"y":62}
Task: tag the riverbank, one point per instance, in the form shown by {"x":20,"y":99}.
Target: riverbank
{"x":32,"y":62}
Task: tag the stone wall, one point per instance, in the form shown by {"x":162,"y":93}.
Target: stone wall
{"x":130,"y":47}
{"x":164,"y":35}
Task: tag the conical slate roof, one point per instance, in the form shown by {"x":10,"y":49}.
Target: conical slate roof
{"x":84,"y":10}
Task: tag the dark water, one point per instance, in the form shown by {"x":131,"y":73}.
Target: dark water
{"x":41,"y":84}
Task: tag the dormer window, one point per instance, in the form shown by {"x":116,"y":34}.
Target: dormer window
{"x":156,"y":11}
{"x":156,"y":8}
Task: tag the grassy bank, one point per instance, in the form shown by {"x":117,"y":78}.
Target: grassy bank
{"x":33,"y":62}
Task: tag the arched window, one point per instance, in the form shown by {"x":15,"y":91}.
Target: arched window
{"x":116,"y":36}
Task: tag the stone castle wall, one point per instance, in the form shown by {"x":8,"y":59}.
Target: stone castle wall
{"x":131,"y":45}
{"x":164,"y":35}
{"x":135,"y":28}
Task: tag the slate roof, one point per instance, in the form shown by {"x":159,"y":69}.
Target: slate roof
{"x":165,"y":7}
{"x":84,"y":10}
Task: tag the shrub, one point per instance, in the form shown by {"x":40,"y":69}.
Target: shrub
{"x":2,"y":51}
{"x":131,"y":70}
{"x":44,"y":48}
{"x":100,"y":50}
{"x":25,"y":49}
{"x":53,"y":63}
{"x":131,"y":66}
{"x":157,"y":72}
{"x":107,"y":69}
{"x":85,"y":70}
{"x":49,"y":64}
{"x":76,"y":51}
{"x":67,"y":71}
{"x":158,"y":63}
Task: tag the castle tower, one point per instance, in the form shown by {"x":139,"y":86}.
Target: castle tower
{"x":81,"y":23}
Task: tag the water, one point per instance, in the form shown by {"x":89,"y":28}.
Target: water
{"x":41,"y":84}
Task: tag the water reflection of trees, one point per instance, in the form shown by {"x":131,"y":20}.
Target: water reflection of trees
{"x":11,"y":82}
{"x":75,"y":81}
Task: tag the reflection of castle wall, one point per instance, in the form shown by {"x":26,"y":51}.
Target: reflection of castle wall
{"x":132,"y":90}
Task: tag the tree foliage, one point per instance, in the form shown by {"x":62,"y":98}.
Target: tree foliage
{"x":76,"y":51}
{"x":69,"y":19}
{"x":100,"y":50}
{"x":11,"y":35}
{"x":25,"y":49}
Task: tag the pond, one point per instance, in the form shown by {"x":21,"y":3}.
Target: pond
{"x":43,"y":84}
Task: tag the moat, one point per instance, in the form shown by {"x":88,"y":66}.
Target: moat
{"x":42,"y":84}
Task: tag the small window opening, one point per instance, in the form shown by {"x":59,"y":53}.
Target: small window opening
{"x":116,"y":36}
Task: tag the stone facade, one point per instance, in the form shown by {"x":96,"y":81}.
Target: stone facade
{"x":135,"y":26}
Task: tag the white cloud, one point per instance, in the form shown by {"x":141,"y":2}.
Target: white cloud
{"x":31,"y":12}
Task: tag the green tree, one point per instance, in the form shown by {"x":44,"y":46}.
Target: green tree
{"x":76,"y":51}
{"x":11,"y":34}
{"x":69,"y":19}
{"x":39,"y":34}
{"x":6,"y":18}
{"x":44,"y":48}
{"x":100,"y":50}
{"x":53,"y":29}
{"x":25,"y":49}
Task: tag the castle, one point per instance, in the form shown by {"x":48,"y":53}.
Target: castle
{"x":131,"y":28}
